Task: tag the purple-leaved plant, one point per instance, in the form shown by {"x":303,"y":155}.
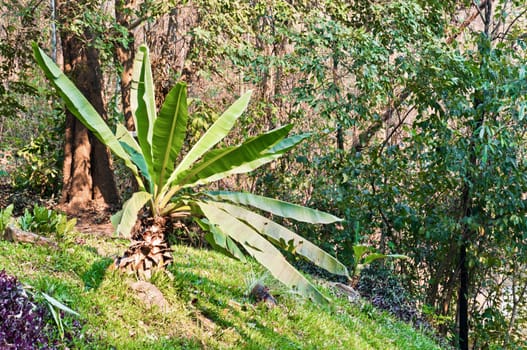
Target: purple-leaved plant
{"x":22,"y":321}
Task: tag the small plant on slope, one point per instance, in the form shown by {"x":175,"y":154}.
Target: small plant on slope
{"x":363,"y":256}
{"x":23,"y":322}
{"x":6,"y":216}
{"x":170,"y":191}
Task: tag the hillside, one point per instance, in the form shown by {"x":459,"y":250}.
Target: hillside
{"x":208,"y":303}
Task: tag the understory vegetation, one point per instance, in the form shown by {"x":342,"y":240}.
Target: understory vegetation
{"x":357,"y":161}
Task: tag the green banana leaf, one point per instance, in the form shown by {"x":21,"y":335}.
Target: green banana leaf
{"x":288,"y":143}
{"x":169,"y":132}
{"x":214,"y":134}
{"x":262,"y":250}
{"x":220,"y":241}
{"x":123,"y":135}
{"x":139,"y":161}
{"x":270,"y":155}
{"x":287,"y":238}
{"x":143,"y":104}
{"x":125,"y":219}
{"x":81,"y":107}
{"x":359,"y":251}
{"x":131,"y":146}
{"x":376,"y":256}
{"x":364,"y":255}
{"x":223,"y":160}
{"x":276,"y":207}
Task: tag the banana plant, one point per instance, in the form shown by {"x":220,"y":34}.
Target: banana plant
{"x":170,"y":183}
{"x":364,"y":255}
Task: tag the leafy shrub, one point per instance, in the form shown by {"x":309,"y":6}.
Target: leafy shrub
{"x":5,"y":217}
{"x":384,"y":290}
{"x":43,"y":220}
{"x":23,"y":323}
{"x":39,"y":170}
{"x":28,"y":318}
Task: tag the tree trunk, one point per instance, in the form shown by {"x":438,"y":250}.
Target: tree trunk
{"x":170,"y":42}
{"x":124,"y":55}
{"x":463,"y":297}
{"x":468,"y":206}
{"x":88,"y":174}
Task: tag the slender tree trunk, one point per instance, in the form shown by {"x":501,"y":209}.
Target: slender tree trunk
{"x":170,"y":41}
{"x":267,"y":87}
{"x":467,"y":234}
{"x":124,"y":54}
{"x":463,"y":297}
{"x":88,"y":175}
{"x":468,"y":205}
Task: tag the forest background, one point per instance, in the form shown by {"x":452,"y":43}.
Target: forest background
{"x":416,"y":109}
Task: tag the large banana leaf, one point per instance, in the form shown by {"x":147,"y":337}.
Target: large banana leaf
{"x":125,"y":219}
{"x":268,"y":156}
{"x":134,"y":151}
{"x":214,"y":134}
{"x":80,"y":106}
{"x":223,"y":160}
{"x":169,"y":132}
{"x":287,"y":144}
{"x":286,"y":238}
{"x":139,"y":161}
{"x":220,"y":241}
{"x":276,"y":207}
{"x":123,"y":135}
{"x":142,"y":102}
{"x":262,"y":250}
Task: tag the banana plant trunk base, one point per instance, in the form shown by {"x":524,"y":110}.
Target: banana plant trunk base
{"x":149,"y":252}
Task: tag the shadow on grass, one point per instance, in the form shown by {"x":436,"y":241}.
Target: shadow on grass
{"x":131,"y":344}
{"x":212,"y":303}
{"x":280,"y":341}
{"x":93,"y":277}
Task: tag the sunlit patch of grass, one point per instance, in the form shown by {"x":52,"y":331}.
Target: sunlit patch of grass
{"x":209,"y":305}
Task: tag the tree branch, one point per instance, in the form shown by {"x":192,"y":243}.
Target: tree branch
{"x":15,"y":234}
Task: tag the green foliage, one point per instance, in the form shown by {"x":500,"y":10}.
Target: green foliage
{"x":24,"y":108}
{"x":405,"y":163}
{"x":164,"y":186}
{"x":365,"y":255}
{"x":6,"y":216}
{"x":39,"y":167}
{"x":56,"y":307}
{"x":43,"y":220}
{"x":15,"y":59}
{"x":391,"y":79}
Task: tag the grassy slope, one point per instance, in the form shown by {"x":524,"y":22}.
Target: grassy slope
{"x":209,"y":308}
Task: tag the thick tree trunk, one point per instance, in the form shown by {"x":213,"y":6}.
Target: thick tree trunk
{"x":88,"y":175}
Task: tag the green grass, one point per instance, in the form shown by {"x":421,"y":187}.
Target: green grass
{"x":208,"y":303}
